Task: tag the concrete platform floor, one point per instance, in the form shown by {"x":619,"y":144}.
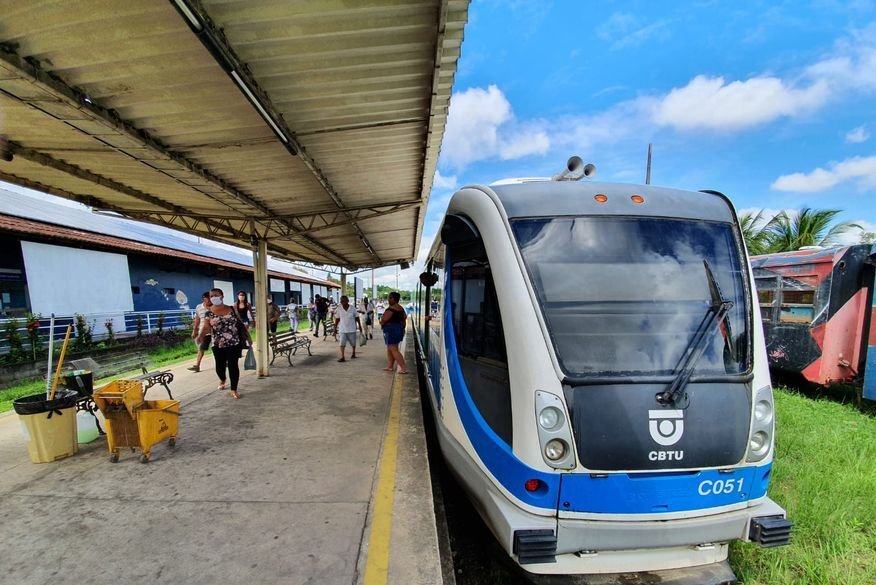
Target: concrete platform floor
{"x":277,"y":487}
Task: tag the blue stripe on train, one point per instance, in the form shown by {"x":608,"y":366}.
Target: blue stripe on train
{"x":654,"y":493}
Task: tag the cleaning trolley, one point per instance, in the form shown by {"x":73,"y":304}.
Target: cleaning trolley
{"x":132,"y":421}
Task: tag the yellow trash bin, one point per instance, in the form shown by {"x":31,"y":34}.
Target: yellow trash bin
{"x":49,"y":426}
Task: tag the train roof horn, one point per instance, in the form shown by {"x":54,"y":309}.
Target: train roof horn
{"x":575,"y":170}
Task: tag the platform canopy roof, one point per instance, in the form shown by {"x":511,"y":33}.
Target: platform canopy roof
{"x":314,"y":124}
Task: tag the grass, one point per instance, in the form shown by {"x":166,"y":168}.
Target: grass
{"x":825,"y":477}
{"x":161,"y":356}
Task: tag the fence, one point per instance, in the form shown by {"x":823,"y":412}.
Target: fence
{"x":124,"y":324}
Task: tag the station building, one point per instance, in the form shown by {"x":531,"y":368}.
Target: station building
{"x":59,"y":257}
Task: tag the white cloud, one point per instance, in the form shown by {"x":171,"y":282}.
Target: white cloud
{"x":859,"y":169}
{"x":712,"y":103}
{"x":481,"y":126}
{"x":442,"y":182}
{"x":858,"y":135}
{"x":853,"y":236}
{"x":852,"y":64}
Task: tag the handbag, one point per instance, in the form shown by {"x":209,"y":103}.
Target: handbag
{"x":250,"y":362}
{"x":241,"y":333}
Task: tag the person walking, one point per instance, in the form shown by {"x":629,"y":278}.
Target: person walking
{"x":393,"y":322}
{"x":369,"y":319}
{"x":321,"y":315}
{"x":222,"y":325}
{"x":311,"y":313}
{"x":366,"y":315}
{"x":346,"y":324}
{"x":243,"y":310}
{"x":274,"y":314}
{"x":292,"y":313}
{"x":198,"y":324}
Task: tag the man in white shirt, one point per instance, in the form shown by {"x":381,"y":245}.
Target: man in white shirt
{"x":198,"y":324}
{"x":346,"y":323}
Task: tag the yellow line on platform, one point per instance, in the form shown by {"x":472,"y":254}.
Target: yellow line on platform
{"x":377,"y":563}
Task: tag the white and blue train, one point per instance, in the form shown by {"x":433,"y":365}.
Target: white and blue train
{"x":598,"y":376}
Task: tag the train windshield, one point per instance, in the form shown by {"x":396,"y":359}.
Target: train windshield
{"x":626,"y":296}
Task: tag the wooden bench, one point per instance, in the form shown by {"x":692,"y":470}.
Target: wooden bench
{"x":287,"y":343}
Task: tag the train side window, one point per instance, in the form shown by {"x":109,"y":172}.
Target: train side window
{"x":480,"y":340}
{"x":767,"y":288}
{"x":798,"y":304}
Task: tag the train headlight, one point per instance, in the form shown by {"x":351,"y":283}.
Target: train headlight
{"x":555,"y":449}
{"x":763,"y":411}
{"x":763,"y":417}
{"x":759,"y":443}
{"x":554,"y":433}
{"x":550,"y":418}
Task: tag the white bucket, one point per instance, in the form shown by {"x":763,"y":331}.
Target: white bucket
{"x":86,"y":427}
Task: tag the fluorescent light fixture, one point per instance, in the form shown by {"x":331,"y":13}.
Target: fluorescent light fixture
{"x":190,"y":16}
{"x":258,"y":105}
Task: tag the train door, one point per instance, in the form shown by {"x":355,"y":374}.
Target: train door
{"x":479,"y":335}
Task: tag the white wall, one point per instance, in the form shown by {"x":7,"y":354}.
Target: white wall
{"x":65,"y":281}
{"x":227,"y":289}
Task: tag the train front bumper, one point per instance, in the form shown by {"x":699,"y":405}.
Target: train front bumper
{"x":608,"y":546}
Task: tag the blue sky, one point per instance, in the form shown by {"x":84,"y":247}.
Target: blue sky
{"x":768,"y":102}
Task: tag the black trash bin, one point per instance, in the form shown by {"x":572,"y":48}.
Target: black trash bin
{"x":80,"y":382}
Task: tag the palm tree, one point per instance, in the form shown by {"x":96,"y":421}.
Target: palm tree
{"x":807,"y":227}
{"x":754,"y":230}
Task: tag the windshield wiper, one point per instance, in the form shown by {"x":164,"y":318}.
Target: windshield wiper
{"x":717,"y":312}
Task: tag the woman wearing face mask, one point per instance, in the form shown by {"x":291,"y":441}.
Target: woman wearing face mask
{"x":222,"y":326}
{"x":243,"y":309}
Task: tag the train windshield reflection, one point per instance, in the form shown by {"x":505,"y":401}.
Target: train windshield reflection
{"x":625,"y":296}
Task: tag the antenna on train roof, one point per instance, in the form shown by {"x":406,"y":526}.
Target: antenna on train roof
{"x":575,"y":170}
{"x":648,"y":167}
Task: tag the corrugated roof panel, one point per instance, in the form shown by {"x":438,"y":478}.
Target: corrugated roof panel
{"x":129,"y":93}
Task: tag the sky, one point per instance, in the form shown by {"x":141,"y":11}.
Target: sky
{"x":771,"y":103}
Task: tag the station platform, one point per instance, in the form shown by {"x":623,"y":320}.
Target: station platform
{"x":318,"y":474}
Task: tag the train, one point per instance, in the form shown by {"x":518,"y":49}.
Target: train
{"x":816,"y":305}
{"x":597,"y":374}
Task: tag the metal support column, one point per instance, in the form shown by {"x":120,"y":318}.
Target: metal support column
{"x":260,"y":261}
{"x":343,"y":283}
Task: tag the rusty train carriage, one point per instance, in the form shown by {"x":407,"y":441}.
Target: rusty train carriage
{"x":817,"y":308}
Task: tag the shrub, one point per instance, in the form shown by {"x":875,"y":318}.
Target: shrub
{"x":160,"y":324}
{"x":13,"y":338}
{"x":110,"y":335}
{"x":83,"y":341}
{"x":139,"y":325}
{"x":33,"y":332}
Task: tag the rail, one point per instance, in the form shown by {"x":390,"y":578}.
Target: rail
{"x":118,"y":324}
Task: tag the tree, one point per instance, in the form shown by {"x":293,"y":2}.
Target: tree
{"x":755,"y":232}
{"x":807,"y":227}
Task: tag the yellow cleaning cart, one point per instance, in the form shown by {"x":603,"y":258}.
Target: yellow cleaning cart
{"x":134,"y":422}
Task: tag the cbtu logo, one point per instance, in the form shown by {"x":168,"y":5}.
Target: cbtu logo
{"x":666,"y":426}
